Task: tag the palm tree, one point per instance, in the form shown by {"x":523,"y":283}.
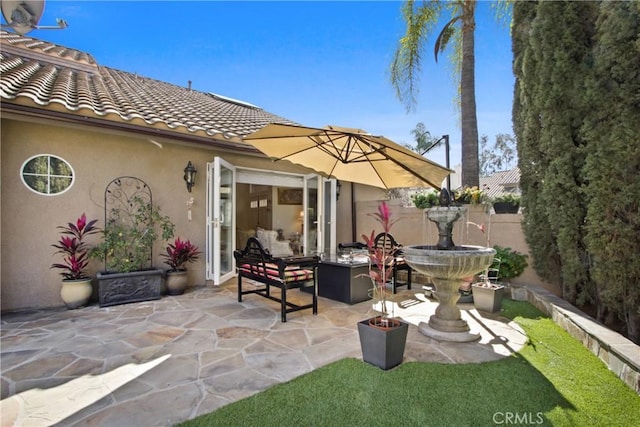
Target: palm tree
{"x":406,"y":65}
{"x":425,"y":142}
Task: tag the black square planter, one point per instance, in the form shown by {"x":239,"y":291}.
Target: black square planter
{"x":383,"y":348}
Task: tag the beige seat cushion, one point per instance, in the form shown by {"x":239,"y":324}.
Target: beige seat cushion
{"x":269,"y":240}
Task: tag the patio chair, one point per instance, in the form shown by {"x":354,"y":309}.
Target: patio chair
{"x":492,"y":272}
{"x":398,"y":263}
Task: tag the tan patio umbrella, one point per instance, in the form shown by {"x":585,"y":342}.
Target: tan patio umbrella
{"x":349,"y":155}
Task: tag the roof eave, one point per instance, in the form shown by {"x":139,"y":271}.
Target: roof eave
{"x":234,"y":143}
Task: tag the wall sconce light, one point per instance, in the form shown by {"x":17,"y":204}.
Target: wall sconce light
{"x":338,"y":187}
{"x":190,"y":176}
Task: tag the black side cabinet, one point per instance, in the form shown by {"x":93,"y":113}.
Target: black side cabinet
{"x":349,"y":283}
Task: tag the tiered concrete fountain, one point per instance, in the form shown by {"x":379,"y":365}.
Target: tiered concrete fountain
{"x":447,"y":265}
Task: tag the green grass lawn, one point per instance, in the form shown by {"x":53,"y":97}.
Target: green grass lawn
{"x":553,"y":380}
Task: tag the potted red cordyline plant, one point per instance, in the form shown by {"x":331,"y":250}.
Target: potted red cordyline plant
{"x":176,"y":256}
{"x":382,"y":338}
{"x":76,"y":283}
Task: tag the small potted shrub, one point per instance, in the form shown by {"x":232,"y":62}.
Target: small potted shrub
{"x":76,"y":283}
{"x":177,"y":255}
{"x":512,"y":263}
{"x":506,"y":203}
{"x":382,"y":338}
{"x":425,"y":200}
{"x":487,"y":296}
{"x":469,"y":196}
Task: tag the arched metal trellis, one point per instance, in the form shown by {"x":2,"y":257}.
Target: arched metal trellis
{"x":128,"y":206}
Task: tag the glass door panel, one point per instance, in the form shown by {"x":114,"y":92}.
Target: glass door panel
{"x":329,"y":244}
{"x":312,"y":239}
{"x":220,"y":221}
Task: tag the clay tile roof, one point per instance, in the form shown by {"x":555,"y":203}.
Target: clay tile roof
{"x":40,"y":74}
{"x":501,"y":183}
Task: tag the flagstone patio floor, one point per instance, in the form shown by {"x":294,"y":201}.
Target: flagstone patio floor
{"x":161,"y":362}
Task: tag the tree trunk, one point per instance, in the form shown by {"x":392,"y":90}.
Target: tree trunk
{"x":470,"y":163}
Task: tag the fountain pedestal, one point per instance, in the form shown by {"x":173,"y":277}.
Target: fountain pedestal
{"x":447,"y":265}
{"x":447,"y":324}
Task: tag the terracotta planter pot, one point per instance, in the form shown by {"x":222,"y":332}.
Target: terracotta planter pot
{"x":176,"y":282}
{"x":382,"y":347}
{"x":76,"y":293}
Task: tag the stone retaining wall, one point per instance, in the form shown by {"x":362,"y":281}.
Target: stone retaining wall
{"x":620,"y":355}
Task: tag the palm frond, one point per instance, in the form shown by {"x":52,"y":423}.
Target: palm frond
{"x":406,"y":64}
{"x":445,"y":36}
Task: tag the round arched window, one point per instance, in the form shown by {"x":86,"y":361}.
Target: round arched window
{"x":47,"y":174}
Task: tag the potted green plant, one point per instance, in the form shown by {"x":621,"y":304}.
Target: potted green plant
{"x":382,"y":337}
{"x":427,"y":199}
{"x":512,"y":263}
{"x":487,"y":295}
{"x":177,"y":255}
{"x":76,"y":283}
{"x":133,"y":225}
{"x":469,"y":196}
{"x":506,"y":203}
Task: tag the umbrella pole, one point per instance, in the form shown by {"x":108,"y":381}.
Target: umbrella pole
{"x":354,"y":237}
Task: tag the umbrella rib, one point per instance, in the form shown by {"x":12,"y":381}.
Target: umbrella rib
{"x":381,"y":151}
{"x":332,"y":142}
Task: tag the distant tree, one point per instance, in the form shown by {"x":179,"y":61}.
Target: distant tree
{"x":502,"y":156}
{"x":459,"y":31}
{"x":424,"y":141}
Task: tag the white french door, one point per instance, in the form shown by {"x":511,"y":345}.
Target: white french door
{"x":319,"y":223}
{"x":329,"y":198}
{"x":221,"y":214}
{"x":311,"y":238}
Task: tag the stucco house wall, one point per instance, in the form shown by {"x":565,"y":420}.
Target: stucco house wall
{"x":105,"y":123}
{"x":29,"y":219}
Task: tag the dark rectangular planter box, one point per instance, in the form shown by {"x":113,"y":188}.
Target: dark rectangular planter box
{"x":488,"y":299}
{"x":123,"y":288}
{"x":505,"y":208}
{"x":383,"y":348}
{"x":348,"y":283}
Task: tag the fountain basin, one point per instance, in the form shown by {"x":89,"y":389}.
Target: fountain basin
{"x":450,"y":264}
{"x":447,"y":269}
{"x":445,"y":214}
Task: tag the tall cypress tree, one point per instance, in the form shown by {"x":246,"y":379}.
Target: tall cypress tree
{"x":533,"y":162}
{"x":550,"y":68}
{"x":565,"y":40}
{"x":613,"y":163}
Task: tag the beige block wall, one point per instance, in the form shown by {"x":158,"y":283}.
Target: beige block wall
{"x":413,"y":228}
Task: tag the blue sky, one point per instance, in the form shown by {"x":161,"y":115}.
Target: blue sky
{"x":316,"y":63}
